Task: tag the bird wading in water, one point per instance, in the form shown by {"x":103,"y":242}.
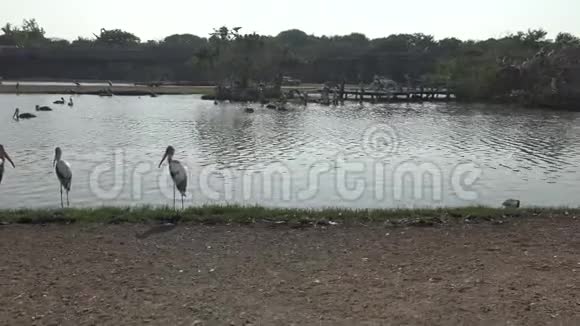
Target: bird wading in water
{"x":17,"y":115}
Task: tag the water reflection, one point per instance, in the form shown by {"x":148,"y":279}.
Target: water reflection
{"x":114,"y":144}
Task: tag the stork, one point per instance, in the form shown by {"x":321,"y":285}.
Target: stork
{"x":177,"y":172}
{"x":4,"y":156}
{"x":64,"y":174}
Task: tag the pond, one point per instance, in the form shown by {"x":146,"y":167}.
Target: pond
{"x":371,"y":156}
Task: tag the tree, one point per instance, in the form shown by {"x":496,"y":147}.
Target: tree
{"x":567,"y":39}
{"x":184,"y":41}
{"x":225,"y":34}
{"x":29,"y":34}
{"x":293,"y":38}
{"x":117,"y":37}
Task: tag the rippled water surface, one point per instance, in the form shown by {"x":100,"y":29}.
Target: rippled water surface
{"x":397,"y":155}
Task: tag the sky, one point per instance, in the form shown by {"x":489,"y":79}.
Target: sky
{"x":153,"y":20}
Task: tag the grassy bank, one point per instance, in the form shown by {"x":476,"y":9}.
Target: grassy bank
{"x":275,"y":216}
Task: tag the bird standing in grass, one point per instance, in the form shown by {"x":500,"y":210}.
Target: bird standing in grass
{"x":4,"y":156}
{"x":64,"y":174}
{"x":177,"y":172}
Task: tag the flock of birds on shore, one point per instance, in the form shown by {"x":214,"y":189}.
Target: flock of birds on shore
{"x":63,"y":169}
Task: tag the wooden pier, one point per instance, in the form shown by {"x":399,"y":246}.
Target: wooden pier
{"x":375,"y":96}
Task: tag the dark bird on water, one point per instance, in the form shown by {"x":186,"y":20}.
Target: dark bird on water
{"x":61,"y":101}
{"x":70,"y":102}
{"x":43,"y":108}
{"x":177,"y":172}
{"x":249,"y":110}
{"x":64,"y":174}
{"x":3,"y":157}
{"x":17,"y":115}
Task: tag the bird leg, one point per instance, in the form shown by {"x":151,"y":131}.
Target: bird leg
{"x":181,"y":202}
{"x":67,"y":201}
{"x":173,"y":198}
{"x":61,"y":203}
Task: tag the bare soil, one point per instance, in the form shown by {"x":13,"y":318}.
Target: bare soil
{"x":523,"y":272}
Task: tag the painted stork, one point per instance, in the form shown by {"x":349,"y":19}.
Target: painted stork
{"x":17,"y":115}
{"x":61,"y":101}
{"x":177,"y":172}
{"x":64,"y":174}
{"x":4,"y":156}
{"x":43,"y":108}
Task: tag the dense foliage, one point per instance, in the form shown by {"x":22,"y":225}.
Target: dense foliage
{"x":471,"y":67}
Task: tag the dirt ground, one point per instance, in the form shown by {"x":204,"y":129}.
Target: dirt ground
{"x":524,"y":272}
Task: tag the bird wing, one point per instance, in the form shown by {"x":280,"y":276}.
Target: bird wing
{"x":179,"y":176}
{"x":64,"y":174}
{"x":1,"y":169}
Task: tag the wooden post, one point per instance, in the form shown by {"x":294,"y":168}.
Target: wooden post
{"x":342,"y":91}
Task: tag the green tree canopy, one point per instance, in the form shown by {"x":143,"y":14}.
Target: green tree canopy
{"x":117,"y":37}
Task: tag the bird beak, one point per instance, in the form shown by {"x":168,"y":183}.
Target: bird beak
{"x":163,"y":159}
{"x":7,"y":157}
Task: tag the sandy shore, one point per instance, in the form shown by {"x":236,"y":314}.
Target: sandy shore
{"x":522,"y":272}
{"x":93,"y":89}
{"x":119,"y":89}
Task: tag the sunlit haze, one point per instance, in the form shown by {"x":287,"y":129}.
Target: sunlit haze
{"x":156,"y":19}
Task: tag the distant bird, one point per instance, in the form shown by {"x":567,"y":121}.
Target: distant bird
{"x":17,"y":115}
{"x":64,"y":174}
{"x":61,"y":101}
{"x":110,"y":83}
{"x":177,"y":172}
{"x":78,"y":85}
{"x":271,"y":106}
{"x":43,"y":108}
{"x":70,"y":102}
{"x":4,"y":156}
{"x":249,"y":110}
